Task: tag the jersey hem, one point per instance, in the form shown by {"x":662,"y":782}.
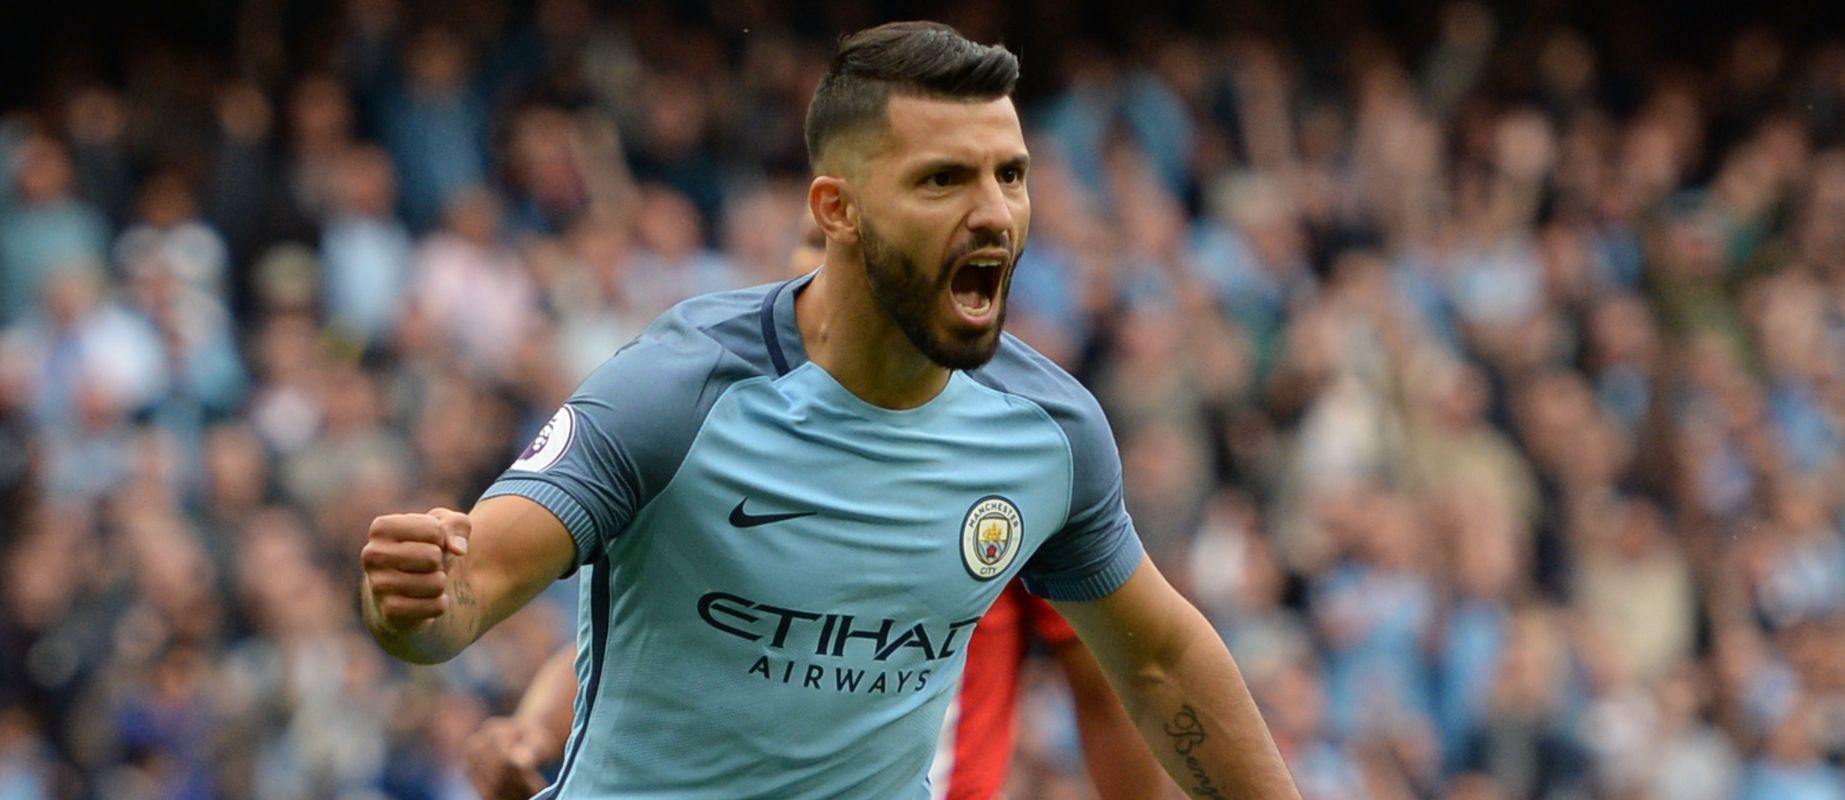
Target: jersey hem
{"x":1095,"y":584}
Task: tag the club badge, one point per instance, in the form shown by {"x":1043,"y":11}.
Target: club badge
{"x":990,"y":537}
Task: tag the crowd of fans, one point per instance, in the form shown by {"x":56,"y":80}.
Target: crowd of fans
{"x":1490,"y":402}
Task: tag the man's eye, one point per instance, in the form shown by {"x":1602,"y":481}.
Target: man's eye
{"x":940,"y":179}
{"x":1012,"y":175}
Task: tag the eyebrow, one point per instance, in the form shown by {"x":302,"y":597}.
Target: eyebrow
{"x":934,"y":165}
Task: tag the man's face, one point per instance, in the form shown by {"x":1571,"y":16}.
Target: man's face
{"x":942,"y":221}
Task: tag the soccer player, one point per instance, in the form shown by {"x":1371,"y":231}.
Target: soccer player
{"x":790,"y":503}
{"x":973,"y":753}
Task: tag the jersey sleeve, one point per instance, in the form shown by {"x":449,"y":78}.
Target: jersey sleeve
{"x":1097,"y":548}
{"x":618,"y":440}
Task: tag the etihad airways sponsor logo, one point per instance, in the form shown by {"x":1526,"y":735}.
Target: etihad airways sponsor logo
{"x":827,"y":633}
{"x":844,"y":680}
{"x":800,"y":635}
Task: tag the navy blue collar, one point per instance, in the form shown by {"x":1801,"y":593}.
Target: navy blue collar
{"x":780,"y":332}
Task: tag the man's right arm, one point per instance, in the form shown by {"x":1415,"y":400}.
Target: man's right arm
{"x":435,"y":582}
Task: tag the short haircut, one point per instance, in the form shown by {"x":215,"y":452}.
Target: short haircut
{"x":914,"y":59}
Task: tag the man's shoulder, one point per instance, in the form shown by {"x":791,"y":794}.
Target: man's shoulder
{"x":1094,"y":549}
{"x":1024,"y":373}
{"x":731,"y":321}
{"x":711,"y":337}
{"x":1019,"y":370}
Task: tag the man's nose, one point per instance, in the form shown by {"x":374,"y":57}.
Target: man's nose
{"x":992,"y":211}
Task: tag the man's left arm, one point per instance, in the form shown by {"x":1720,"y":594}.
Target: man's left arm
{"x":1182,"y":689}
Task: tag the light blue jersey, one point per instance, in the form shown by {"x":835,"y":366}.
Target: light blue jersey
{"x":780,"y":579}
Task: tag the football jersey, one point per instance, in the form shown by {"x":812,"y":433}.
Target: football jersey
{"x":779,"y":580}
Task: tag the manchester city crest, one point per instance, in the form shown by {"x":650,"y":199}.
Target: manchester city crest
{"x":990,"y":537}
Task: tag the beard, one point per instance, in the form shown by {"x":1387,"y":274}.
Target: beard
{"x":913,"y":301}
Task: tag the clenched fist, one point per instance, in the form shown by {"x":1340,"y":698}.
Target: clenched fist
{"x":410,"y":560}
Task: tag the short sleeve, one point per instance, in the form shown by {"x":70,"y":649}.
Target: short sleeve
{"x":618,"y":440}
{"x":1097,"y":549}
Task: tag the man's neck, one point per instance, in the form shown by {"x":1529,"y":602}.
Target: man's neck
{"x":849,"y":335}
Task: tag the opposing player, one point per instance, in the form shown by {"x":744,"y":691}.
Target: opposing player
{"x":791,"y":503}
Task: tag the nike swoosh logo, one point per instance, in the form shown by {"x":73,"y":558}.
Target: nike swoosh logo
{"x":744,"y":519}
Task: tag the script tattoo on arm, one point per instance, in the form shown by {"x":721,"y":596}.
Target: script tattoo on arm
{"x":1188,"y":737}
{"x":463,"y":590}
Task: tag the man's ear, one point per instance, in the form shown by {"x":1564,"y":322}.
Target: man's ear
{"x":835,"y":208}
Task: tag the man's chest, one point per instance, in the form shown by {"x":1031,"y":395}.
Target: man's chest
{"x":820,"y":513}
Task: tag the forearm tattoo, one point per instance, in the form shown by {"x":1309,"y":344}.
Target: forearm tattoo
{"x":1188,"y":737}
{"x":463,"y":590}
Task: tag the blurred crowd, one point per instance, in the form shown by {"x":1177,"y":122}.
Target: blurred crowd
{"x":1488,"y":398}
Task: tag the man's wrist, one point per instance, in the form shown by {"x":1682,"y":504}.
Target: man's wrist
{"x":410,"y":643}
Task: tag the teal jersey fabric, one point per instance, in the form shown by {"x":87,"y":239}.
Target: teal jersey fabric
{"x":779,"y":580}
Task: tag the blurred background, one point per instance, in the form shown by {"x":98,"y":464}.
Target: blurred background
{"x":1478,"y":368}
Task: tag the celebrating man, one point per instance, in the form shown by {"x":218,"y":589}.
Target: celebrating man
{"x":792,"y":502}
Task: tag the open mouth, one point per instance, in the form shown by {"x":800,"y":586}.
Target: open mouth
{"x":975,"y":285}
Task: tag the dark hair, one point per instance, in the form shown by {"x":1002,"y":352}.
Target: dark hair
{"x":925,"y":59}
